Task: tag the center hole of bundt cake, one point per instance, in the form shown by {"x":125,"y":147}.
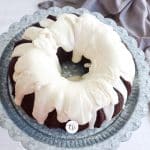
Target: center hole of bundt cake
{"x":70,"y":70}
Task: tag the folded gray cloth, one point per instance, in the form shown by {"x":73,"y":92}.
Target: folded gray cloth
{"x":133,"y":15}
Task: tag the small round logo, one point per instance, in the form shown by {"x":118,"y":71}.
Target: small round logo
{"x":72,"y":127}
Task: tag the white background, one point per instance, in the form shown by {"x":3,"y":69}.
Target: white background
{"x":11,"y":11}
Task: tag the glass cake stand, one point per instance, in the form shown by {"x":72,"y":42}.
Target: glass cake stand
{"x":36,"y":137}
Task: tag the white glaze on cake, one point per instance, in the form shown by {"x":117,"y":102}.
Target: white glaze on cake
{"x":38,"y":70}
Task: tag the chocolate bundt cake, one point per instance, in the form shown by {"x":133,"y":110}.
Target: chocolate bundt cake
{"x":71,"y":68}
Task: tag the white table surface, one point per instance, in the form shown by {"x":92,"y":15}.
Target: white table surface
{"x":11,"y":11}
